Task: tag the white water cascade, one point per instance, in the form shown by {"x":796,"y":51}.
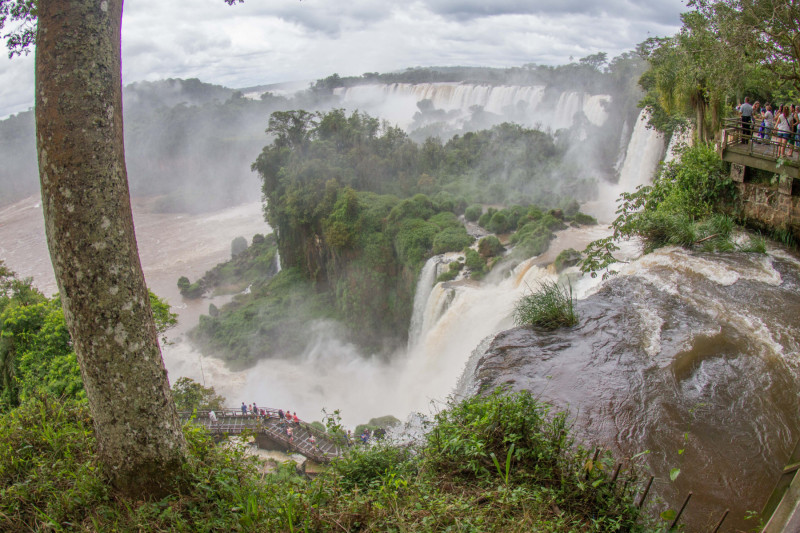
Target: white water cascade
{"x":427,"y":279}
{"x":644,"y":152}
{"x":397,"y":102}
{"x":331,"y":374}
{"x":679,"y":138}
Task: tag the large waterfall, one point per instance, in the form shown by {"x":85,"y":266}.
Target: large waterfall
{"x":397,"y":102}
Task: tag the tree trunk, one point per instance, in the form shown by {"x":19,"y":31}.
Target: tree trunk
{"x":93,"y":248}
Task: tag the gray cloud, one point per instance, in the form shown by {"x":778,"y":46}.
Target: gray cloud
{"x":285,"y":40}
{"x":664,"y":12}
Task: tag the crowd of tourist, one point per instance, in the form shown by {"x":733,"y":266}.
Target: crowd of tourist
{"x":289,"y":422}
{"x":763,"y":124}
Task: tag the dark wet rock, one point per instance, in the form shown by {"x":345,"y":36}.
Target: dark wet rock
{"x":669,"y":359}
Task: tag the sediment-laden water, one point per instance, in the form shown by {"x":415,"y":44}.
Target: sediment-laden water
{"x":680,"y":351}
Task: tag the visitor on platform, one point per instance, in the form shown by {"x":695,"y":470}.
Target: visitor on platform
{"x":769,"y":122}
{"x":746,"y":110}
{"x":782,"y":125}
{"x":244,"y":409}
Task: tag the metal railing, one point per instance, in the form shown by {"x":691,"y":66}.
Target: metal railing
{"x":756,"y":142}
{"x":233,"y":421}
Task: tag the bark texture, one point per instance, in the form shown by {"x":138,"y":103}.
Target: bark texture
{"x":92,"y":244}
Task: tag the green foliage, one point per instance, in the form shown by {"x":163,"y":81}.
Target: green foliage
{"x":190,"y":290}
{"x":189,"y":395}
{"x":36,"y":354}
{"x":254,"y":265}
{"x":490,"y":246}
{"x":495,"y":464}
{"x":51,"y":478}
{"x":584,"y":220}
{"x":566,"y":258}
{"x":499,"y":223}
{"x":549,"y":307}
{"x":238,"y":245}
{"x":474,"y":262}
{"x":680,"y":208}
{"x":270,"y":321}
{"x":473,"y":212}
{"x":452,"y":240}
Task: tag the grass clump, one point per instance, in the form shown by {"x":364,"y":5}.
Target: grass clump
{"x":550,"y":307}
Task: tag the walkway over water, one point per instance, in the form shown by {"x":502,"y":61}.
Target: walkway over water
{"x":273,"y":428}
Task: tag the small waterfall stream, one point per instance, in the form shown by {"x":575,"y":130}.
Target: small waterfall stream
{"x":427,"y":279}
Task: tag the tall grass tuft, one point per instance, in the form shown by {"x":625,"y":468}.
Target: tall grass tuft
{"x":550,"y":307}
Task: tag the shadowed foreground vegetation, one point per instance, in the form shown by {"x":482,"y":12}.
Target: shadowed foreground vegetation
{"x":499,"y":463}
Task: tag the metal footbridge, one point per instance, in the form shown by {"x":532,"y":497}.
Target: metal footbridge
{"x":322,"y":448}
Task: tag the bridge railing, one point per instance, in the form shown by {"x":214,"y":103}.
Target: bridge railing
{"x":752,"y":141}
{"x":232,"y":419}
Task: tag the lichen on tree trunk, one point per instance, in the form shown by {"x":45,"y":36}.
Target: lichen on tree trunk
{"x":92,"y":244}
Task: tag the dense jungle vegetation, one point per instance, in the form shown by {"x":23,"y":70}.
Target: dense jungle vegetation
{"x":352,"y":235}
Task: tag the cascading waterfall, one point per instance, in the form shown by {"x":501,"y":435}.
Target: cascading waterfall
{"x":397,"y":102}
{"x":427,"y":279}
{"x":679,"y":137}
{"x":642,"y":156}
{"x":645,"y":150}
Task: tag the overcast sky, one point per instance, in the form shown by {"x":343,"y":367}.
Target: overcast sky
{"x":267,"y":41}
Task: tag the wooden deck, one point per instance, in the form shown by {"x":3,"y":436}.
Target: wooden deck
{"x":233,"y":422}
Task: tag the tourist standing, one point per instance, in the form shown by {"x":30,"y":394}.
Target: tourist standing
{"x":769,"y":122}
{"x":746,"y":109}
{"x":782,"y":125}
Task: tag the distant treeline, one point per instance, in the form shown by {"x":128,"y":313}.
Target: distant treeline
{"x":594,"y":74}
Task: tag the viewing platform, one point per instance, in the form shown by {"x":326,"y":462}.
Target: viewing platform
{"x":738,"y":148}
{"x":768,"y":184}
{"x":270,"y":431}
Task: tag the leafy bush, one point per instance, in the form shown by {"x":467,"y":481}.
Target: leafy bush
{"x":189,"y":395}
{"x":473,"y":212}
{"x":489,"y":246}
{"x":238,"y":245}
{"x":499,"y":223}
{"x":497,"y":463}
{"x":452,"y":240}
{"x":566,"y":258}
{"x":550,"y":307}
{"x":474,"y":261}
{"x":445,"y":220}
{"x":584,"y":219}
{"x":190,"y":290}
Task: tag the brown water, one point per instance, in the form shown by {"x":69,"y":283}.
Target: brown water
{"x":170,"y":246}
{"x":679,"y":352}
